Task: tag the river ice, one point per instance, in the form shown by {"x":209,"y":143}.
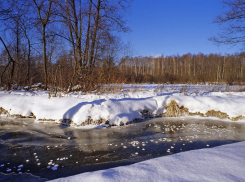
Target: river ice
{"x":45,"y":151}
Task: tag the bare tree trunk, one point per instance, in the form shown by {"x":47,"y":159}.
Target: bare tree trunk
{"x":85,"y":58}
{"x":94,"y":34}
{"x":44,"y":21}
{"x":174,"y":65}
{"x":241,"y":69}
{"x":223,"y":71}
{"x":163,"y":66}
{"x":44,"y":57}
{"x":28,"y":58}
{"x":217,"y":73}
{"x":10,"y":81}
{"x":194,"y":67}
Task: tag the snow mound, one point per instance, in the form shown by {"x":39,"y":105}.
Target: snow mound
{"x":120,"y":108}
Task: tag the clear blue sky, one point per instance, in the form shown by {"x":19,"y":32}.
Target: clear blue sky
{"x":171,"y":27}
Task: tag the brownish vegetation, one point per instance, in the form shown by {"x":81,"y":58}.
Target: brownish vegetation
{"x":73,"y":45}
{"x":181,"y":69}
{"x":174,"y":110}
{"x":187,"y":68}
{"x":66,"y":45}
{"x":218,"y":114}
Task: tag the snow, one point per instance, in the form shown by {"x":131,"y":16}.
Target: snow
{"x":55,"y":167}
{"x":223,"y":163}
{"x":123,"y":106}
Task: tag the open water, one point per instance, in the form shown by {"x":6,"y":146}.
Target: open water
{"x":41,"y":152}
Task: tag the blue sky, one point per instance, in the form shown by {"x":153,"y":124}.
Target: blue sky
{"x":171,"y":27}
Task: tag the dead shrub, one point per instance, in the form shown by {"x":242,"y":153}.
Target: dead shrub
{"x":196,"y":114}
{"x":237,"y":118}
{"x":3,"y":111}
{"x":174,"y":110}
{"x":241,"y":88}
{"x":218,"y":114}
{"x":184,"y":90}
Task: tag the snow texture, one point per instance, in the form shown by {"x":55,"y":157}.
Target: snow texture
{"x":223,"y":163}
{"x":122,"y":107}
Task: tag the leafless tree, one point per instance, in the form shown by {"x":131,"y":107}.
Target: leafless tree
{"x":232,"y":23}
{"x":11,"y":61}
{"x":6,"y":7}
{"x":44,"y":11}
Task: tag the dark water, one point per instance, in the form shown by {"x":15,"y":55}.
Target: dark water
{"x":38,"y":152}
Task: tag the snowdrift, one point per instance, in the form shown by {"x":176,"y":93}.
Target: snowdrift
{"x":119,"y":109}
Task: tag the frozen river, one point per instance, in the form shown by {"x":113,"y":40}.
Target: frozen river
{"x":37,"y":152}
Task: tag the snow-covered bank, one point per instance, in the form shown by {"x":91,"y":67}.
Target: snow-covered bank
{"x":223,"y":163}
{"x":121,"y":107}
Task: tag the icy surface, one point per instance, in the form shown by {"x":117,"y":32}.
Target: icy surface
{"x":223,"y":163}
{"x":82,"y":150}
{"x":124,"y":106}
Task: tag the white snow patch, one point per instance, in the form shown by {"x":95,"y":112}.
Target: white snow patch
{"x":123,"y":107}
{"x":223,"y":163}
{"x":55,"y":167}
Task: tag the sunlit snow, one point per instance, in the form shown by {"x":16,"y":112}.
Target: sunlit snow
{"x":124,"y":106}
{"x":223,"y":163}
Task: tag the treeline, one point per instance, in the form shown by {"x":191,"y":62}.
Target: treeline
{"x":75,"y":45}
{"x":188,"y":68}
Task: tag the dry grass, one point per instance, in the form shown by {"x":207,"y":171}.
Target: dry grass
{"x":3,"y":111}
{"x":196,"y":114}
{"x":241,"y":88}
{"x":159,"y":88}
{"x":184,"y":90}
{"x":237,"y":118}
{"x":47,"y":120}
{"x":197,"y":92}
{"x":87,"y":122}
{"x":222,"y":115}
{"x":136,"y":89}
{"x":94,"y":122}
{"x":108,"y":89}
{"x":174,"y":110}
{"x":218,"y":114}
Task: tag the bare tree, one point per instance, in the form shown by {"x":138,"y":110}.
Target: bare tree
{"x":6,"y":12}
{"x":6,"y":7}
{"x":232,"y":23}
{"x":11,"y":61}
{"x":43,"y":8}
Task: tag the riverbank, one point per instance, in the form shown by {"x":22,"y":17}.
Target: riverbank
{"x":130,"y":103}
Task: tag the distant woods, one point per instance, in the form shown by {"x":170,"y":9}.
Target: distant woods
{"x":75,"y":45}
{"x":188,"y":68}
